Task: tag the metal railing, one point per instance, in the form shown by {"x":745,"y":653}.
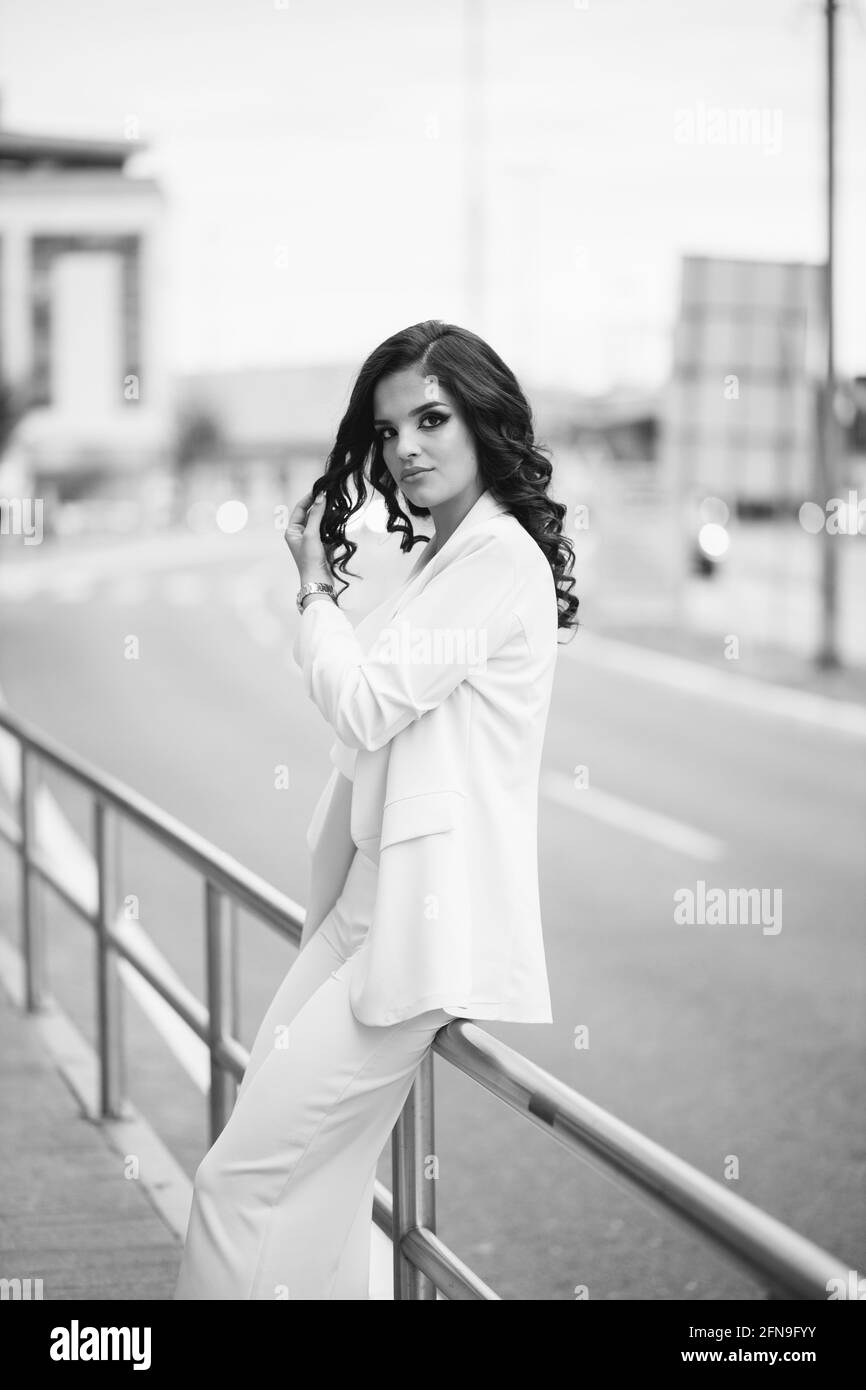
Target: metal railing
{"x":787,"y":1264}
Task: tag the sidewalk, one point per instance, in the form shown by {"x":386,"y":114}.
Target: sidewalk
{"x":69,"y":1213}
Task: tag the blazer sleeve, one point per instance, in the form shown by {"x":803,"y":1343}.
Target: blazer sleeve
{"x":460,"y":619}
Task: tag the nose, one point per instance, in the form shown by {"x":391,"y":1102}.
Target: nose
{"x":407,"y":448}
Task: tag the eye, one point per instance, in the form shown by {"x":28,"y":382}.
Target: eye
{"x":385,"y":432}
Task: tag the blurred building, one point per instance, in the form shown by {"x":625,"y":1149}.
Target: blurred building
{"x":81,"y":342}
{"x":290,"y":414}
{"x":740,"y":415}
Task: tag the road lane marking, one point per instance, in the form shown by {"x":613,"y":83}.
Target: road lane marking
{"x":745,"y":692}
{"x":635,"y":820}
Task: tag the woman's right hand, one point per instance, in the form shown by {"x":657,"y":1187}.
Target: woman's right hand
{"x":303,"y":539}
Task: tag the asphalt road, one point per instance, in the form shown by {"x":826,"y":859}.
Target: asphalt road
{"x":739,"y":1047}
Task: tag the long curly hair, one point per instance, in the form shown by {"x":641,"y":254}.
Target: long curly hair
{"x":498,"y":416}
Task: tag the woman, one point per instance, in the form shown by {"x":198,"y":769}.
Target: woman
{"x":423,"y":902}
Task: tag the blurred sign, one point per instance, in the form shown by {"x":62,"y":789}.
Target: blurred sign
{"x":740,"y":414}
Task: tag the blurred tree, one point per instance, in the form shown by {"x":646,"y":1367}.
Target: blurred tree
{"x":14,"y":405}
{"x":199,"y":438}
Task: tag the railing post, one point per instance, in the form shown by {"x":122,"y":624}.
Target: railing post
{"x":32,"y":900}
{"x":414,"y":1191}
{"x":219,"y":1002}
{"x":109,"y":998}
{"x":234,"y":970}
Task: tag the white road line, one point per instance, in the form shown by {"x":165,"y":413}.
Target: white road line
{"x":636,"y":820}
{"x":745,"y":692}
{"x":49,"y":570}
{"x":184,"y":589}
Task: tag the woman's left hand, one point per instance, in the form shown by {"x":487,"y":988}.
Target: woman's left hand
{"x":305,"y":543}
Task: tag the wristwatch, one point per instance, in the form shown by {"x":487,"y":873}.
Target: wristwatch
{"x":314,"y":587}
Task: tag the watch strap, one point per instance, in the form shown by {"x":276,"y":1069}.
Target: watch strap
{"x":315,"y":586}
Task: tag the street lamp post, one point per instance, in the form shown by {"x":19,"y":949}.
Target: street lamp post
{"x":473,"y":163}
{"x":828,"y":655}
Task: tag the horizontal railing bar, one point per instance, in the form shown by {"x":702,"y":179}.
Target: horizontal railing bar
{"x":231,"y":1055}
{"x":10,"y":830}
{"x":448,"y":1272}
{"x":769,"y":1248}
{"x":39,"y":865}
{"x":181,"y":999}
{"x":279,"y":910}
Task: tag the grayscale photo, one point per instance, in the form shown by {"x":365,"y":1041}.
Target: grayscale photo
{"x":433,"y":669}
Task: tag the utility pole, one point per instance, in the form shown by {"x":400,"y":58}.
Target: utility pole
{"x":473,"y":164}
{"x":828,"y":655}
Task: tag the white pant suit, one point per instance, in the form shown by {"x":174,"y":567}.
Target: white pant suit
{"x":432,"y":831}
{"x":282,"y":1202}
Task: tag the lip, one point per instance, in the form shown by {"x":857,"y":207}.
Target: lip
{"x":412,"y":473}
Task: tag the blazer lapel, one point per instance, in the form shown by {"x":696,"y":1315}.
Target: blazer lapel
{"x":424,"y":568}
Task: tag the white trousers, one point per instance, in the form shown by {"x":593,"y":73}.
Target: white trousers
{"x":282,"y":1202}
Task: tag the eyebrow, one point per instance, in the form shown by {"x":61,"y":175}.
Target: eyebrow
{"x":419,"y":410}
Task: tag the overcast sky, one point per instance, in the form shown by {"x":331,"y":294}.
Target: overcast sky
{"x":310,"y":152}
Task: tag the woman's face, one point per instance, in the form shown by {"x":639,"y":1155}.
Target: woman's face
{"x":419,"y":426}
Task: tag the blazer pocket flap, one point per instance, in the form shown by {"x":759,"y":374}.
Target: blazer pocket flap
{"x":417,"y":815}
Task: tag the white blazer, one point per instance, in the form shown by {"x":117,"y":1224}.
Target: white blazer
{"x":439,"y":700}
